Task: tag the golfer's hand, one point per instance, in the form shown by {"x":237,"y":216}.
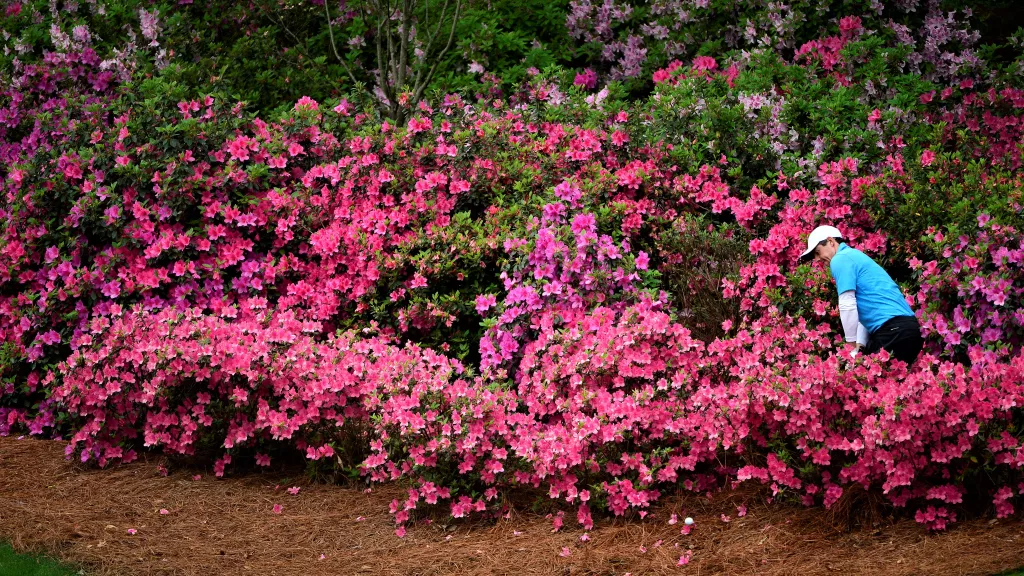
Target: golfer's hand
{"x":854,"y":349}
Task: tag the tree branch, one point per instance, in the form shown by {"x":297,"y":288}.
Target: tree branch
{"x":430,"y":41}
{"x":407,"y":8}
{"x":392,"y":57}
{"x":304,"y":50}
{"x":382,"y":65}
{"x":330,"y":30}
{"x":418,"y":90}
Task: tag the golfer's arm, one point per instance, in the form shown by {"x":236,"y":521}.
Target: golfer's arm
{"x":848,"y":314}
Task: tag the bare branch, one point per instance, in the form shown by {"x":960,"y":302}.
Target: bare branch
{"x":437,"y":29}
{"x":382,"y":66}
{"x":407,"y":8}
{"x":330,"y":29}
{"x":392,"y":56}
{"x":301,"y":45}
{"x":418,"y":91}
{"x":390,"y":65}
{"x":433,"y":37}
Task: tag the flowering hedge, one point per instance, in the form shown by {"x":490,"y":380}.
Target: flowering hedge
{"x":506,"y":294}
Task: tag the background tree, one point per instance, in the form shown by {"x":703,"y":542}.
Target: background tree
{"x":409,"y":47}
{"x":389,"y":49}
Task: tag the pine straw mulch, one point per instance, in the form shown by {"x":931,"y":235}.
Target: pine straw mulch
{"x":220,"y":527}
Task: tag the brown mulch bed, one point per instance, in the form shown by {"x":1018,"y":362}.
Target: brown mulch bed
{"x":216,"y":527}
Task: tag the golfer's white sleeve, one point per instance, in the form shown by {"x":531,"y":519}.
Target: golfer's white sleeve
{"x":862,"y":334}
{"x":848,"y":314}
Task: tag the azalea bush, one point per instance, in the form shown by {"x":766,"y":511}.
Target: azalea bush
{"x":565,"y":290}
{"x":628,"y":40}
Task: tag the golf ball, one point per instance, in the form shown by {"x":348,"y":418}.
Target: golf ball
{"x":688,"y":521}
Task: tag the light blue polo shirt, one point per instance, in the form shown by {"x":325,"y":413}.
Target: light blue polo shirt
{"x":878,"y":297}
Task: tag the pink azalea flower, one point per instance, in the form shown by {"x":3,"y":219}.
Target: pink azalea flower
{"x":704,"y":63}
{"x":307,"y":103}
{"x":927,"y":157}
{"x":343,"y":107}
{"x":112,"y":289}
{"x":586,"y":79}
{"x":484,"y":302}
{"x":642,"y":260}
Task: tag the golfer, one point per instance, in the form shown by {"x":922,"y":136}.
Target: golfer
{"x":874,"y":313}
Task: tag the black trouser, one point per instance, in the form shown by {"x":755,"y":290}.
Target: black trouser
{"x":900,"y":336}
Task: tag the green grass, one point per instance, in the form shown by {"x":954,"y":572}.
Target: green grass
{"x":15,"y":564}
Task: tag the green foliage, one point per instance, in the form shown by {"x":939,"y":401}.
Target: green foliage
{"x":13,"y":563}
{"x":276,"y":52}
{"x":958,"y":188}
{"x":699,"y":255}
{"x":507,"y":38}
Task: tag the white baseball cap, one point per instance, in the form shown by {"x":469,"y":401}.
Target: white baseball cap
{"x":817,"y":235}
